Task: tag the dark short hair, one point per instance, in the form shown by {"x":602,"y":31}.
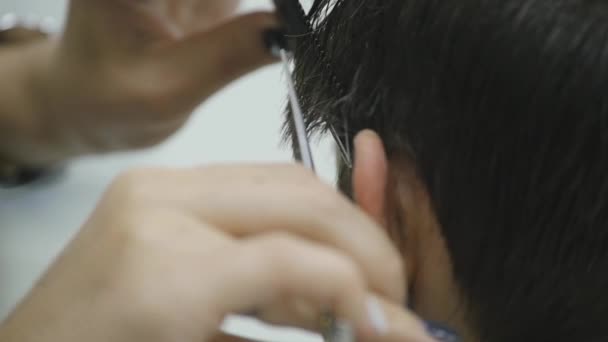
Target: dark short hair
{"x":503,"y":106}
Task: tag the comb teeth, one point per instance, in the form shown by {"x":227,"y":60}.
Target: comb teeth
{"x":294,"y":20}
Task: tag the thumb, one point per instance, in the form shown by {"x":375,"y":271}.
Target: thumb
{"x":212,"y":59}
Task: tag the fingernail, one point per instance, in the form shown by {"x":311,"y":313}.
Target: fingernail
{"x":377,"y":317}
{"x":441,"y":333}
{"x":275,"y":41}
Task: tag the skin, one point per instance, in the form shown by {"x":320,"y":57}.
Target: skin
{"x":125,"y":74}
{"x":393,"y":193}
{"x":169,"y":253}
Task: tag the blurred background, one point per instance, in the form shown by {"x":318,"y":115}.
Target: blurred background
{"x":240,"y":124}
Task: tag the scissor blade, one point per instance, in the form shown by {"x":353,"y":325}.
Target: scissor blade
{"x":297,"y":117}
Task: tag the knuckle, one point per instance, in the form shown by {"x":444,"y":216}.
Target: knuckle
{"x":121,"y":216}
{"x":138,"y":229}
{"x":128,"y":233}
{"x":278,"y":252}
{"x":136,"y":205}
{"x":395,"y":268}
{"x":283,"y":252}
{"x":130,"y":184}
{"x":278,"y":247}
{"x":328,"y":208}
{"x":392,"y":278}
{"x":347,"y":272}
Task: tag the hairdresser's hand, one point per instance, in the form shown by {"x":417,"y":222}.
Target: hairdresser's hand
{"x":127,"y":73}
{"x":169,"y":253}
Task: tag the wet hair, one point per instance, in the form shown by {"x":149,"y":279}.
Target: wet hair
{"x":503,"y":106}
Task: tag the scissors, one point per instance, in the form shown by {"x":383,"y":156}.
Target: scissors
{"x":297,"y":25}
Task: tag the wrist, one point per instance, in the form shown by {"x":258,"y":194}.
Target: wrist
{"x":64,"y":92}
{"x":46,"y":87}
{"x":28,"y":143}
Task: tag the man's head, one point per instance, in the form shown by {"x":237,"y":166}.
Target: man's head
{"x":493,"y":172}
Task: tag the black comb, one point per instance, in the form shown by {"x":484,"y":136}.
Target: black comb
{"x":294,"y":20}
{"x":297,"y":25}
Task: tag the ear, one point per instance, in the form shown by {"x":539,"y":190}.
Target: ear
{"x":393,"y":196}
{"x":370,"y":175}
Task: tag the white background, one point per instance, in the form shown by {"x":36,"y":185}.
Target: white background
{"x":242,"y":123}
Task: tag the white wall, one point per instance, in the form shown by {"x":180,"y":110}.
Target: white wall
{"x":53,"y":8}
{"x":242,"y":123}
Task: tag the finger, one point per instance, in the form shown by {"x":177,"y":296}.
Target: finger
{"x":268,"y":271}
{"x":404,"y":326}
{"x":292,"y":199}
{"x":401,"y":324}
{"x":214,"y":58}
{"x":308,"y":315}
{"x":250,"y":200}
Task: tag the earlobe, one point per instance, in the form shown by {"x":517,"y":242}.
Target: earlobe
{"x":370,"y":175}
